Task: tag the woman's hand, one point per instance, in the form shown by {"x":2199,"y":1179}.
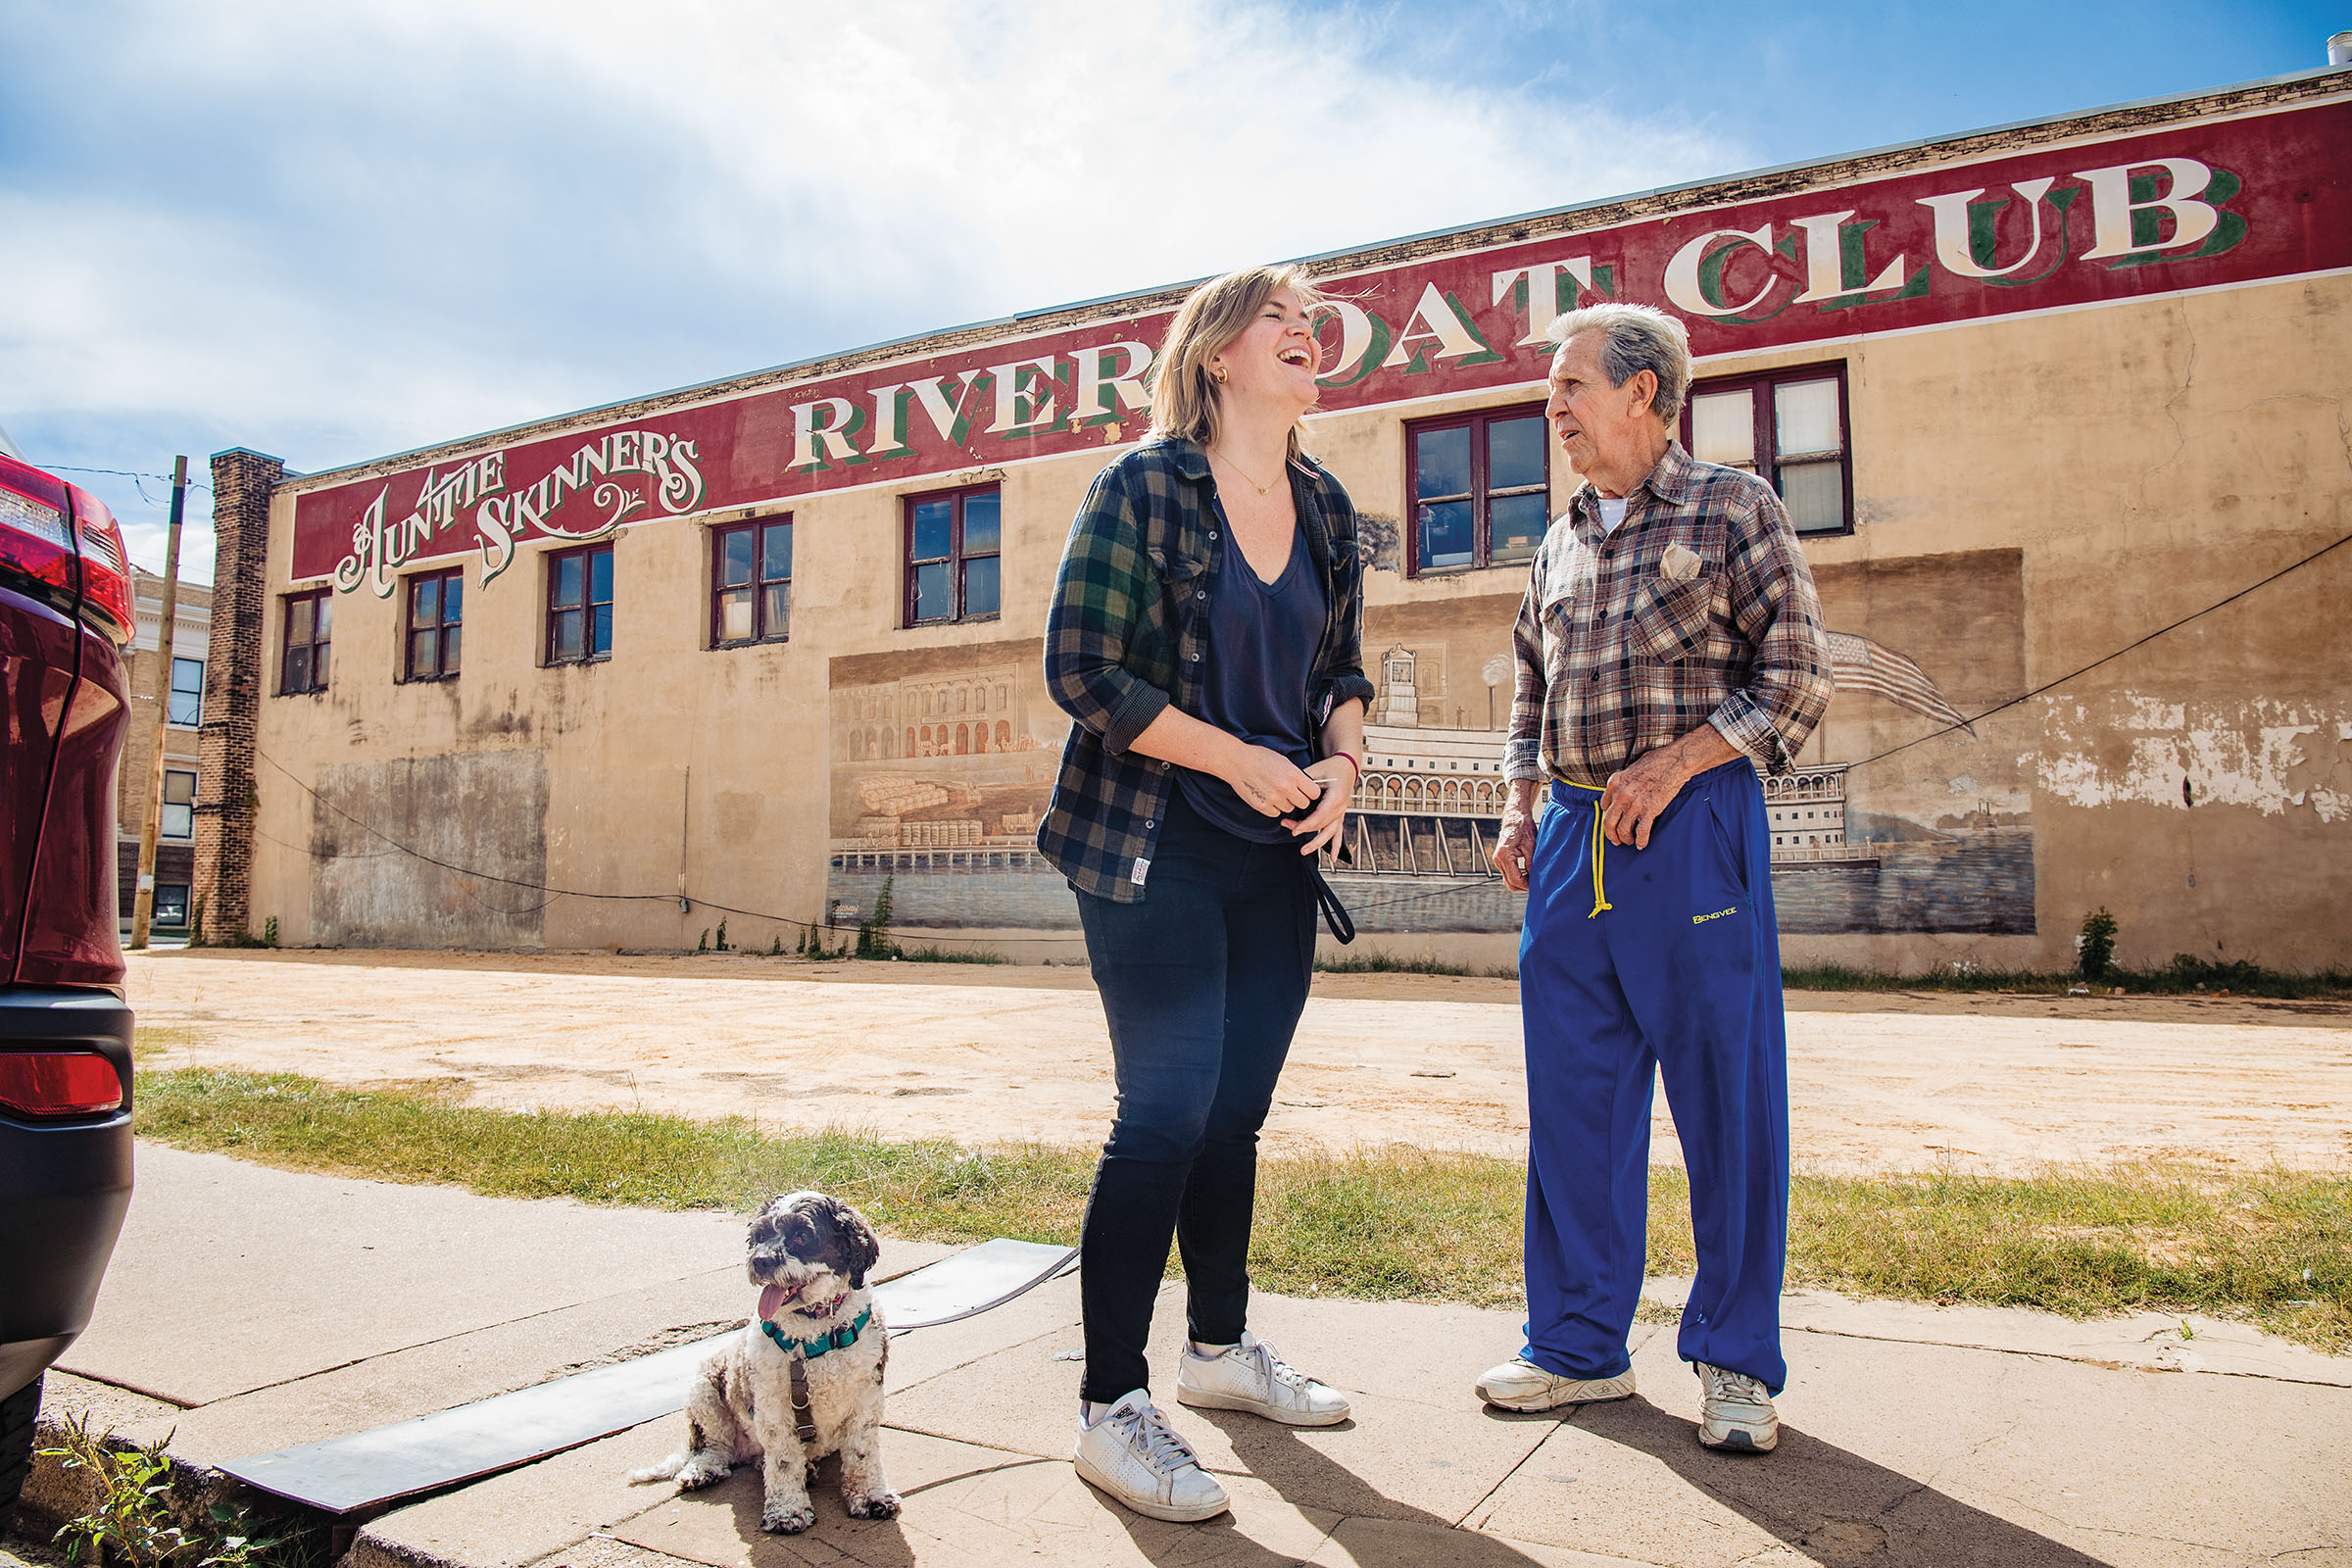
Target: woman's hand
{"x":1268,"y":782}
{"x":1337,"y":776}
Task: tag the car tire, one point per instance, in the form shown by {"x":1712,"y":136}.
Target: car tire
{"x":17,"y":1413}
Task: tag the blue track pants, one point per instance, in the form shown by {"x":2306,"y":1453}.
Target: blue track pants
{"x":1680,"y":973}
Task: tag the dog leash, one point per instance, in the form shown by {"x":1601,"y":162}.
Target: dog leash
{"x":1334,"y":913}
{"x":804,"y":1419}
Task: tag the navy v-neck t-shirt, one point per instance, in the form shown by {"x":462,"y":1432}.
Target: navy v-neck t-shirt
{"x":1262,"y":641}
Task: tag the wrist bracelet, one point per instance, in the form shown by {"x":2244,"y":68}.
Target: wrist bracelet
{"x":1353,"y":761}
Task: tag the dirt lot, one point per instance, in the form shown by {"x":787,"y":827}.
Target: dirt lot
{"x":1877,"y":1081}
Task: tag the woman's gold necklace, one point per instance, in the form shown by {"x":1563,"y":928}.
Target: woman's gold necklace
{"x":1261,"y":489}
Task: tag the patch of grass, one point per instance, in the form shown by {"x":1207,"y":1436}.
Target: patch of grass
{"x":937,"y":955}
{"x":1391,"y":963}
{"x":930,"y":1190}
{"x":2183,"y":976}
{"x":153,"y":1040}
{"x":2272,"y":1248}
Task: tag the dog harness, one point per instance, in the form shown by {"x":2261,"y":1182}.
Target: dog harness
{"x":822,"y":1344}
{"x":803,"y":1418}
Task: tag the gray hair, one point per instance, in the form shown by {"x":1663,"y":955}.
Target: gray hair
{"x":1640,"y":337}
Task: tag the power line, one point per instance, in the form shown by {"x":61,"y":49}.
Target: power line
{"x":2108,"y":658}
{"x":126,"y":473}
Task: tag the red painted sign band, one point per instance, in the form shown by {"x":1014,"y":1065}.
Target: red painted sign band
{"x":2196,"y":205}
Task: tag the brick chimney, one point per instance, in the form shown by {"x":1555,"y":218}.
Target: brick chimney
{"x":243,"y":484}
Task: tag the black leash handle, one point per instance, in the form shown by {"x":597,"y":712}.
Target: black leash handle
{"x":1334,"y":913}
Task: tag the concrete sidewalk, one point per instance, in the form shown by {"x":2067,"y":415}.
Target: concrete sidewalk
{"x":250,"y":1309}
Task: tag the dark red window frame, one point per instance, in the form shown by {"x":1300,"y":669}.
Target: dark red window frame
{"x":1759,"y":385}
{"x":315,"y":649}
{"x":956,"y":561}
{"x":1480,"y":497}
{"x":442,"y":634}
{"x":762,"y":533}
{"x":593,"y":625}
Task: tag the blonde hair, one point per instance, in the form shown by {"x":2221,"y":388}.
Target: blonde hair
{"x":1185,"y":399}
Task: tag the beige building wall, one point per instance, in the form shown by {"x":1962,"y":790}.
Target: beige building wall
{"x":134,"y":783}
{"x":2127,"y":465}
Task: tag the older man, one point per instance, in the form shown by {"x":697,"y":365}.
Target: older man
{"x":1669,"y":646}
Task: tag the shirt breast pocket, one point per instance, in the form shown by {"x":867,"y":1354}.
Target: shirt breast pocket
{"x":1670,"y":624}
{"x":1175,"y":568}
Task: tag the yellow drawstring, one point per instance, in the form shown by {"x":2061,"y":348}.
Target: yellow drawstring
{"x":1600,"y":900}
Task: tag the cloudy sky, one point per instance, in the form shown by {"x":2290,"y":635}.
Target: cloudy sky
{"x":334,"y":230}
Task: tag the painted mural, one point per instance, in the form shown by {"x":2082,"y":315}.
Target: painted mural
{"x":942,"y":762}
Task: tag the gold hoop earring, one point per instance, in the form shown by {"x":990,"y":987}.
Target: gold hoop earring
{"x":1222,"y":377}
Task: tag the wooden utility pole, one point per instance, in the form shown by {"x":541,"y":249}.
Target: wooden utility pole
{"x":143,"y":908}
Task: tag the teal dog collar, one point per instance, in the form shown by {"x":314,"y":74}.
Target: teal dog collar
{"x":822,"y":1344}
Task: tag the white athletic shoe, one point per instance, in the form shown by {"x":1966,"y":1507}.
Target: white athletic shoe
{"x":1521,"y":1385}
{"x":1735,"y":1412}
{"x":1132,"y":1455}
{"x":1252,"y":1377}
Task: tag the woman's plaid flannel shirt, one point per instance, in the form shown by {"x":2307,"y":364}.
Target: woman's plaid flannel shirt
{"x":1126,"y":635}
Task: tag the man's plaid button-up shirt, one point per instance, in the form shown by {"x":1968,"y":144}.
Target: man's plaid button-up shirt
{"x":1126,"y":635}
{"x":1617,"y":657}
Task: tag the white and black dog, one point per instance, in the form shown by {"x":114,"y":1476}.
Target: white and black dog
{"x":803,"y":1379}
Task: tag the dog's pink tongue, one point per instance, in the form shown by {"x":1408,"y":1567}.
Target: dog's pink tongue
{"x":771,"y":1298}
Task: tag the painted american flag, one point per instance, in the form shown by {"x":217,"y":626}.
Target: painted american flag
{"x":1858,"y":664}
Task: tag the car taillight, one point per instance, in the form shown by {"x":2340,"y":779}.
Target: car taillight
{"x":58,"y":1083}
{"x":37,"y":539}
{"x":105,"y":570}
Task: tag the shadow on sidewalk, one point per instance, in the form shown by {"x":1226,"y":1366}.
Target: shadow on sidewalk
{"x":1834,"y":1506}
{"x":1306,"y":1478}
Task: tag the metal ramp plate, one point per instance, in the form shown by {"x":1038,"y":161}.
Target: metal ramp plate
{"x":368,"y":1469}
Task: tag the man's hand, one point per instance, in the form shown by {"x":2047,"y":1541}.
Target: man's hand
{"x":1515,"y":849}
{"x":1639,"y":794}
{"x":1337,"y":775}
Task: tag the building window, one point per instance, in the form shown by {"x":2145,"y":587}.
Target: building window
{"x":1481,"y":485}
{"x":1789,"y":426}
{"x":579,"y":605}
{"x":436,"y":624}
{"x":751,"y":583}
{"x":171,"y":904}
{"x":309,"y":618}
{"x":186,"y":707}
{"x":179,"y":820}
{"x":953,"y":537}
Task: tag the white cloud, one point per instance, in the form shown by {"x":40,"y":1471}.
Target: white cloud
{"x":334,"y":232}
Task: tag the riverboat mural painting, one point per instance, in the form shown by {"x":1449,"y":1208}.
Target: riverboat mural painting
{"x":1901,"y":816}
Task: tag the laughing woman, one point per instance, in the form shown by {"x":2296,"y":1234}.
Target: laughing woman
{"x":1204,"y":633}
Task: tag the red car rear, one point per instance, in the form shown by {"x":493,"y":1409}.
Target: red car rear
{"x":65,"y":1030}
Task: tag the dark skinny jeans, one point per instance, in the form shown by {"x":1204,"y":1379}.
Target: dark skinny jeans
{"x":1202,"y":983}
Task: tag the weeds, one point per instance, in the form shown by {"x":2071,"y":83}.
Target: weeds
{"x":139,"y":1517}
{"x":2272,"y":1248}
{"x":2094,"y":948}
{"x":2183,"y":976}
{"x":1393,"y":963}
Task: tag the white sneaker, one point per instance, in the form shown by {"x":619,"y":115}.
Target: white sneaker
{"x":1521,"y":1385}
{"x":1252,"y":1377}
{"x":1132,"y":1455}
{"x":1735,"y":1412}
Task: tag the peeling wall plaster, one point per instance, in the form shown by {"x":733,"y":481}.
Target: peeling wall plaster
{"x":2273,"y":756}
